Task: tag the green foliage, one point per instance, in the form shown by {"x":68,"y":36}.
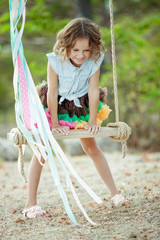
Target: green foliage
{"x":4,"y":23}
{"x":138,"y":67}
{"x":138,"y":71}
{"x":134,"y":7}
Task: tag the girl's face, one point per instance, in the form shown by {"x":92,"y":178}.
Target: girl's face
{"x":80,"y":52}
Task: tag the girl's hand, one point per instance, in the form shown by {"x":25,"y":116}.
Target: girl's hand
{"x":64,"y":130}
{"x":92,"y":128}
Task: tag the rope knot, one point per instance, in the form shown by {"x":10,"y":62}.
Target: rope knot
{"x":18,"y":138}
{"x":124,"y":131}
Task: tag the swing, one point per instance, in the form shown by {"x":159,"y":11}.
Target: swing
{"x":118,"y":131}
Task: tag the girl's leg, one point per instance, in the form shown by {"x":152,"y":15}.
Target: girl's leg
{"x":90,"y":147}
{"x":33,"y":181}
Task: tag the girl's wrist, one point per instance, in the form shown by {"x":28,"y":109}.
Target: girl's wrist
{"x":55,"y":124}
{"x":54,"y":120}
{"x":92,"y":122}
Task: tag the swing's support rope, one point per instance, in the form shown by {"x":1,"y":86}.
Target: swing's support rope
{"x":124,"y":129}
{"x":114,"y":61}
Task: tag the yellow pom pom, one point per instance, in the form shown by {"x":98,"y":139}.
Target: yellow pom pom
{"x":98,"y":122}
{"x":103,"y":112}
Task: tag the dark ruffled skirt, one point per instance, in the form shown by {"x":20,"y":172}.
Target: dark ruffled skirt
{"x":71,"y":115}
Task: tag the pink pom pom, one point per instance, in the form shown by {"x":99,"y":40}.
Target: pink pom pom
{"x":48,"y":117}
{"x":66,"y":123}
{"x":61,"y":122}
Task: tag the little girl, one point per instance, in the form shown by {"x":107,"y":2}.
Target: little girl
{"x":72,"y":99}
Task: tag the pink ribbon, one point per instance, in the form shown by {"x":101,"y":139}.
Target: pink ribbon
{"x":24,"y":95}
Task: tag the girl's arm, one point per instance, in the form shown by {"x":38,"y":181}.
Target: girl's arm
{"x":52,"y":95}
{"x":52,"y":100}
{"x":93,"y":95}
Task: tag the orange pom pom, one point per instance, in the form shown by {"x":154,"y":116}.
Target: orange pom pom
{"x":103,"y":112}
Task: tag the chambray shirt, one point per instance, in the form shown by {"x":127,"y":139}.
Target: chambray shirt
{"x":73,"y":81}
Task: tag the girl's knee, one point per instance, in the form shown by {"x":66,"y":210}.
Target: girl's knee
{"x":90,"y":149}
{"x":36,"y":159}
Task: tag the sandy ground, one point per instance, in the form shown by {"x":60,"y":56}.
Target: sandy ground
{"x":137,"y":177}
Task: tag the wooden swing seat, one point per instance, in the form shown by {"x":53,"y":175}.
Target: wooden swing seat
{"x":78,"y":133}
{"x":81,"y":133}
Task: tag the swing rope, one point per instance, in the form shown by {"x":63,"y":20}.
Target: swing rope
{"x":124,"y":130}
{"x":114,"y":61}
{"x":118,"y":131}
{"x":18,"y":139}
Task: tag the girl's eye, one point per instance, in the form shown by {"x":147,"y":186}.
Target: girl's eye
{"x":76,"y":50}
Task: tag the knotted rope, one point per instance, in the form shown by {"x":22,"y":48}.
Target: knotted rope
{"x":124,"y":130}
{"x":18,"y":139}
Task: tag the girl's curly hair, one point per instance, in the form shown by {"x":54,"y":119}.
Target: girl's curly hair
{"x":79,"y":28}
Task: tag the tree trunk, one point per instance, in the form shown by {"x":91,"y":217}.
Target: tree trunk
{"x":84,"y":8}
{"x":105,"y":15}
